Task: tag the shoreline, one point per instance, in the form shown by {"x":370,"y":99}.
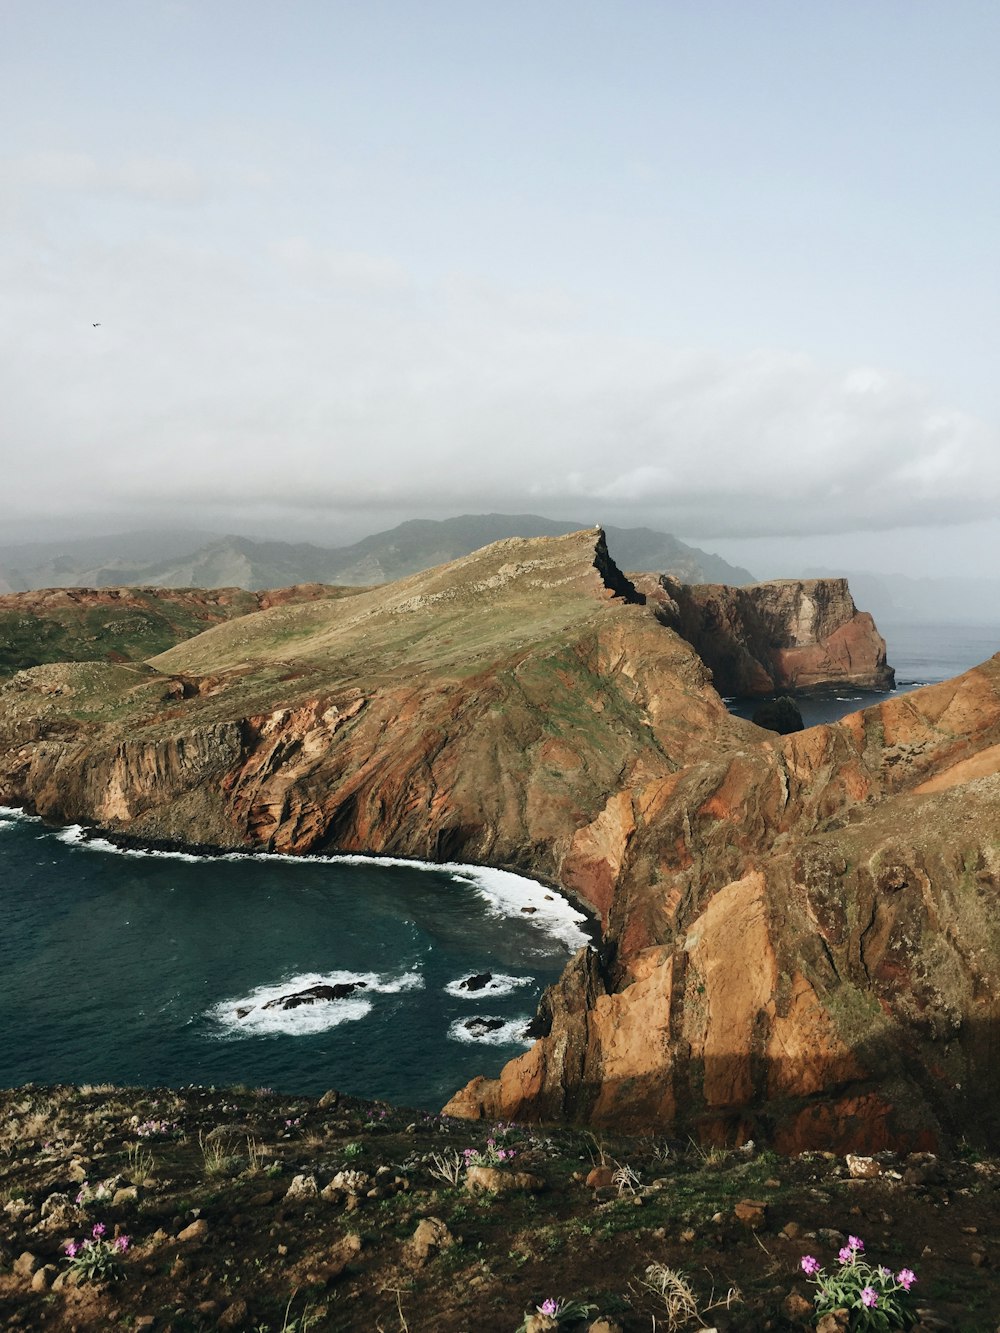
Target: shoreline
{"x":576,"y":910}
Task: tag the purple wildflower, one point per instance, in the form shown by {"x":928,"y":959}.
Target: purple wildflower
{"x":121,"y":1244}
{"x":846,"y":1255}
{"x":856,"y":1243}
{"x":869,"y":1297}
{"x":72,"y":1249}
{"x":549,"y":1307}
{"x":809,"y":1265}
{"x":98,"y":1229}
{"x":906,"y":1278}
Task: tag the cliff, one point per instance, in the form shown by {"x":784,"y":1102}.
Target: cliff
{"x":485,"y":710}
{"x":803,"y":945}
{"x":800,"y":935}
{"x":781,"y":636}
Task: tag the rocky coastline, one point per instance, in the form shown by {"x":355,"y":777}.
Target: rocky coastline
{"x":798,"y":935}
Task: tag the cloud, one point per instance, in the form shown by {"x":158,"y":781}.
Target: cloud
{"x":350,"y":270}
{"x":215,"y":385}
{"x":150,"y":179}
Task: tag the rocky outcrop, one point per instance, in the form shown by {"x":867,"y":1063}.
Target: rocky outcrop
{"x":789,"y":634}
{"x":802,"y":944}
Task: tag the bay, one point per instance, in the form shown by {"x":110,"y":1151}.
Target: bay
{"x":130,"y":968}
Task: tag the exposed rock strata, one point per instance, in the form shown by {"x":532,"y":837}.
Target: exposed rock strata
{"x":789,"y":634}
{"x":800,"y":933}
{"x":803,"y":943}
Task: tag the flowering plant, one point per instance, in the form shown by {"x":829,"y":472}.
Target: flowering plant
{"x":99,"y":1193}
{"x":95,"y":1258}
{"x":156,"y":1129}
{"x":563,"y":1312}
{"x":877,"y":1297}
{"x":491,"y":1155}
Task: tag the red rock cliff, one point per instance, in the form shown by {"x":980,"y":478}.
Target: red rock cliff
{"x":786,"y":635}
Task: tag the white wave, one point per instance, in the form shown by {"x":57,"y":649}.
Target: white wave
{"x":307,"y":1018}
{"x":14,"y":813}
{"x":511,"y":1033}
{"x":505,"y":893}
{"x":499,"y":984}
{"x":75,"y":835}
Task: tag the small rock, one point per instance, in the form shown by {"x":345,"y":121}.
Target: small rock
{"x":430,"y":1237}
{"x":329,"y":1099}
{"x":605,"y":1326}
{"x":144,"y":1322}
{"x":302,"y":1189}
{"x":687,"y":1236}
{"x":43,"y":1278}
{"x":56,"y":1203}
{"x":791,"y":1231}
{"x":601,"y":1177}
{"x":337,"y":1259}
{"x":796,"y":1307}
{"x":488,"y":1180}
{"x":26,"y":1264}
{"x":234,"y":1315}
{"x":837,"y":1321}
{"x":752,"y":1212}
{"x":540,"y":1323}
{"x":126,"y":1195}
{"x":862,"y":1168}
{"x":195,"y":1233}
{"x":352,"y":1182}
{"x":262,"y":1199}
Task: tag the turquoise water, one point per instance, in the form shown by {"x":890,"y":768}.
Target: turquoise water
{"x":129,"y":968}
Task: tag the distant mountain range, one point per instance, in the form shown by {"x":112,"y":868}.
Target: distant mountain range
{"x":200,"y":560}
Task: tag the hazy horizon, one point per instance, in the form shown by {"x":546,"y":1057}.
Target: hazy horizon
{"x":304,"y":272}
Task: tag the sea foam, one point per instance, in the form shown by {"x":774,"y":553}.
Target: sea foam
{"x":307,"y":1018}
{"x":499,"y":984}
{"x":505,"y":893}
{"x":510,"y":1033}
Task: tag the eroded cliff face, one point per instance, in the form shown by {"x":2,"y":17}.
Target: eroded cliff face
{"x":786,"y":635}
{"x":800,"y":934}
{"x":803,"y":943}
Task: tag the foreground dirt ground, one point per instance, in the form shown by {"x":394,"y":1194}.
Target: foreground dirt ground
{"x":248,"y":1210}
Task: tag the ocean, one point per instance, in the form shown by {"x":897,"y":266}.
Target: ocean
{"x":155,"y":968}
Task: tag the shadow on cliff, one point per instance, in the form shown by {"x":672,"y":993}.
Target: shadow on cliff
{"x":910,"y":1101}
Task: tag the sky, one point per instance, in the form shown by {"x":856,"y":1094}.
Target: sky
{"x":304,"y":269}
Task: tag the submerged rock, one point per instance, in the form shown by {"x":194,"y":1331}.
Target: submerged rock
{"x":311,"y":995}
{"x":476,"y":982}
{"x":480,"y":1026}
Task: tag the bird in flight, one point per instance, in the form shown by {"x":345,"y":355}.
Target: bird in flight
{"x":95,"y":326}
